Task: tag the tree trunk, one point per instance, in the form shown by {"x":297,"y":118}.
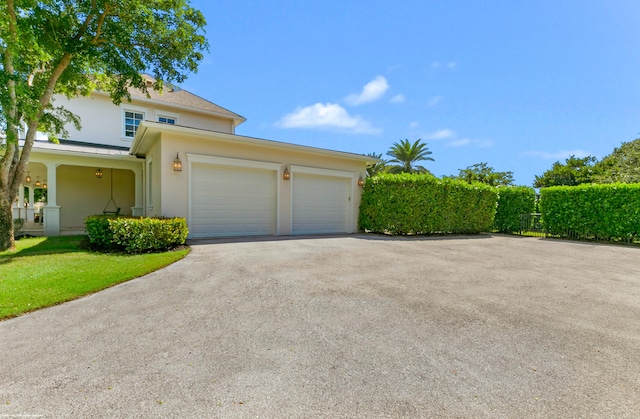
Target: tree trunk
{"x":6,"y":225}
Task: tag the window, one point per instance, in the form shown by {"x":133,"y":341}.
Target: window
{"x":131,"y":121}
{"x":167,"y":120}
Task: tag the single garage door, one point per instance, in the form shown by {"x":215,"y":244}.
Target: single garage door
{"x":320,"y":204}
{"x":232,"y":201}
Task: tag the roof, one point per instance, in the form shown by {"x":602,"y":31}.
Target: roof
{"x":175,"y":96}
{"x":150,"y":130}
{"x":78,"y":147}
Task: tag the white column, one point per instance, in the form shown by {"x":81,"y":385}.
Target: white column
{"x":22,"y":212}
{"x":31,"y":210}
{"x":138,"y":210}
{"x":52,"y":210}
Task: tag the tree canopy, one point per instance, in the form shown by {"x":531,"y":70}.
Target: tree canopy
{"x":622,"y":165}
{"x":483,"y":173}
{"x":73,"y":47}
{"x":574,"y":171}
{"x":406,"y":155}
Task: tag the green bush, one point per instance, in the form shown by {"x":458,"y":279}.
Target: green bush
{"x":136,"y":234}
{"x":592,"y":211}
{"x":512,"y":202}
{"x":100,"y":235}
{"x":423,"y":204}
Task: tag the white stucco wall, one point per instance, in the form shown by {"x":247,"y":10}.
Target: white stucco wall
{"x":175,"y":194}
{"x":103,"y":122}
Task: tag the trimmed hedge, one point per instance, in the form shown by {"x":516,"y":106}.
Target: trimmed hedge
{"x":592,"y":211}
{"x":136,"y":234}
{"x":423,"y":204}
{"x":512,"y":202}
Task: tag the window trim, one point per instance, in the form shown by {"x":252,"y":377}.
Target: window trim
{"x":169,"y":115}
{"x":134,"y":109}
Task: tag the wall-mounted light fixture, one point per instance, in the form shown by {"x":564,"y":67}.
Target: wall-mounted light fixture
{"x":28,"y":178}
{"x":99,"y":173}
{"x":177,"y":164}
{"x":360,"y":181}
{"x":38,"y":182}
{"x":286,"y":175}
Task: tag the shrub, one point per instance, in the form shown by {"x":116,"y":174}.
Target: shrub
{"x":592,"y":211}
{"x":136,"y":234}
{"x":423,"y":204}
{"x":100,"y":235}
{"x":512,"y":202}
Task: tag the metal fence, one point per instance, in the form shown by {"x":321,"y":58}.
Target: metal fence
{"x":531,"y":225}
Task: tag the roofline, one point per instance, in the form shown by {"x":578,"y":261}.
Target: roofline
{"x":151,"y":127}
{"x":237,"y":119}
{"x":52,"y":148}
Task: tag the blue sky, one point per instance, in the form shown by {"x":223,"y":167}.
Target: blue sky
{"x":516,"y":84}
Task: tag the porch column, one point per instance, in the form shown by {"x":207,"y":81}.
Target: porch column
{"x":22,"y":211}
{"x":31,"y":209}
{"x":51,"y":211}
{"x":138,"y":210}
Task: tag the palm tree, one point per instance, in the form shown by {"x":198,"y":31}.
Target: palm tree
{"x":406,"y":155}
{"x":376,"y":168}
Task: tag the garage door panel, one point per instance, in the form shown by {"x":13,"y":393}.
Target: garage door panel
{"x":321,"y":204}
{"x":232,"y":201}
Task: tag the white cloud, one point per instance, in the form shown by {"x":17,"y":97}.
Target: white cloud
{"x":414,"y":124}
{"x":326,"y":115}
{"x":451,"y":139}
{"x":459,"y":142}
{"x":399,"y":98}
{"x":442,"y":134}
{"x":436,"y":65}
{"x":370,"y":92}
{"x":434,"y":101}
{"x":557,"y":155}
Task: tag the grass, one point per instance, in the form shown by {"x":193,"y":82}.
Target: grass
{"x":46,"y":271}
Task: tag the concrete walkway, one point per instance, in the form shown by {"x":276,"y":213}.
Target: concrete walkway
{"x":352,"y":326}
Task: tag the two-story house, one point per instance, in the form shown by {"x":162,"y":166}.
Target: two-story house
{"x":177,"y":155}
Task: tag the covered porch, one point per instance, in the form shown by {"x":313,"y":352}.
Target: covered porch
{"x":68,"y":182}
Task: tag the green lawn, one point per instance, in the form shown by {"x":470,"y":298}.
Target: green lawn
{"x":45,"y":271}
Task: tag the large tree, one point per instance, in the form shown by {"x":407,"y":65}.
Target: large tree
{"x":406,"y":155}
{"x":483,"y":173}
{"x":574,"y":171}
{"x":622,"y":165}
{"x":72,"y":47}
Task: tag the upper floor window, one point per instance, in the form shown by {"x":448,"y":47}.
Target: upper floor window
{"x":167,"y":119}
{"x":131,"y":121}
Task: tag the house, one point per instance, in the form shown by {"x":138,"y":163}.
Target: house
{"x":175,"y":154}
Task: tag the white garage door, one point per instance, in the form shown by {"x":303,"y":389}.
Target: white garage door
{"x":320,"y":204}
{"x":232,"y":201}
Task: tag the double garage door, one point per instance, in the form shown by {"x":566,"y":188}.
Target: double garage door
{"x":243,"y":201}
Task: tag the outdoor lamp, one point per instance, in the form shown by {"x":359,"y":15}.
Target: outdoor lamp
{"x":360,"y":181}
{"x":28,"y":178}
{"x":286,"y":175}
{"x":99,"y":173}
{"x":38,"y":182}
{"x":44,"y":185}
{"x":177,"y":164}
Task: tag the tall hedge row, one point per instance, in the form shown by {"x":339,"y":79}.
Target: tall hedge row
{"x":512,"y":202}
{"x":605,"y":211}
{"x":423,"y":204}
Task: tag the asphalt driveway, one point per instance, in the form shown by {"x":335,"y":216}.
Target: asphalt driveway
{"x":351,"y":326}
